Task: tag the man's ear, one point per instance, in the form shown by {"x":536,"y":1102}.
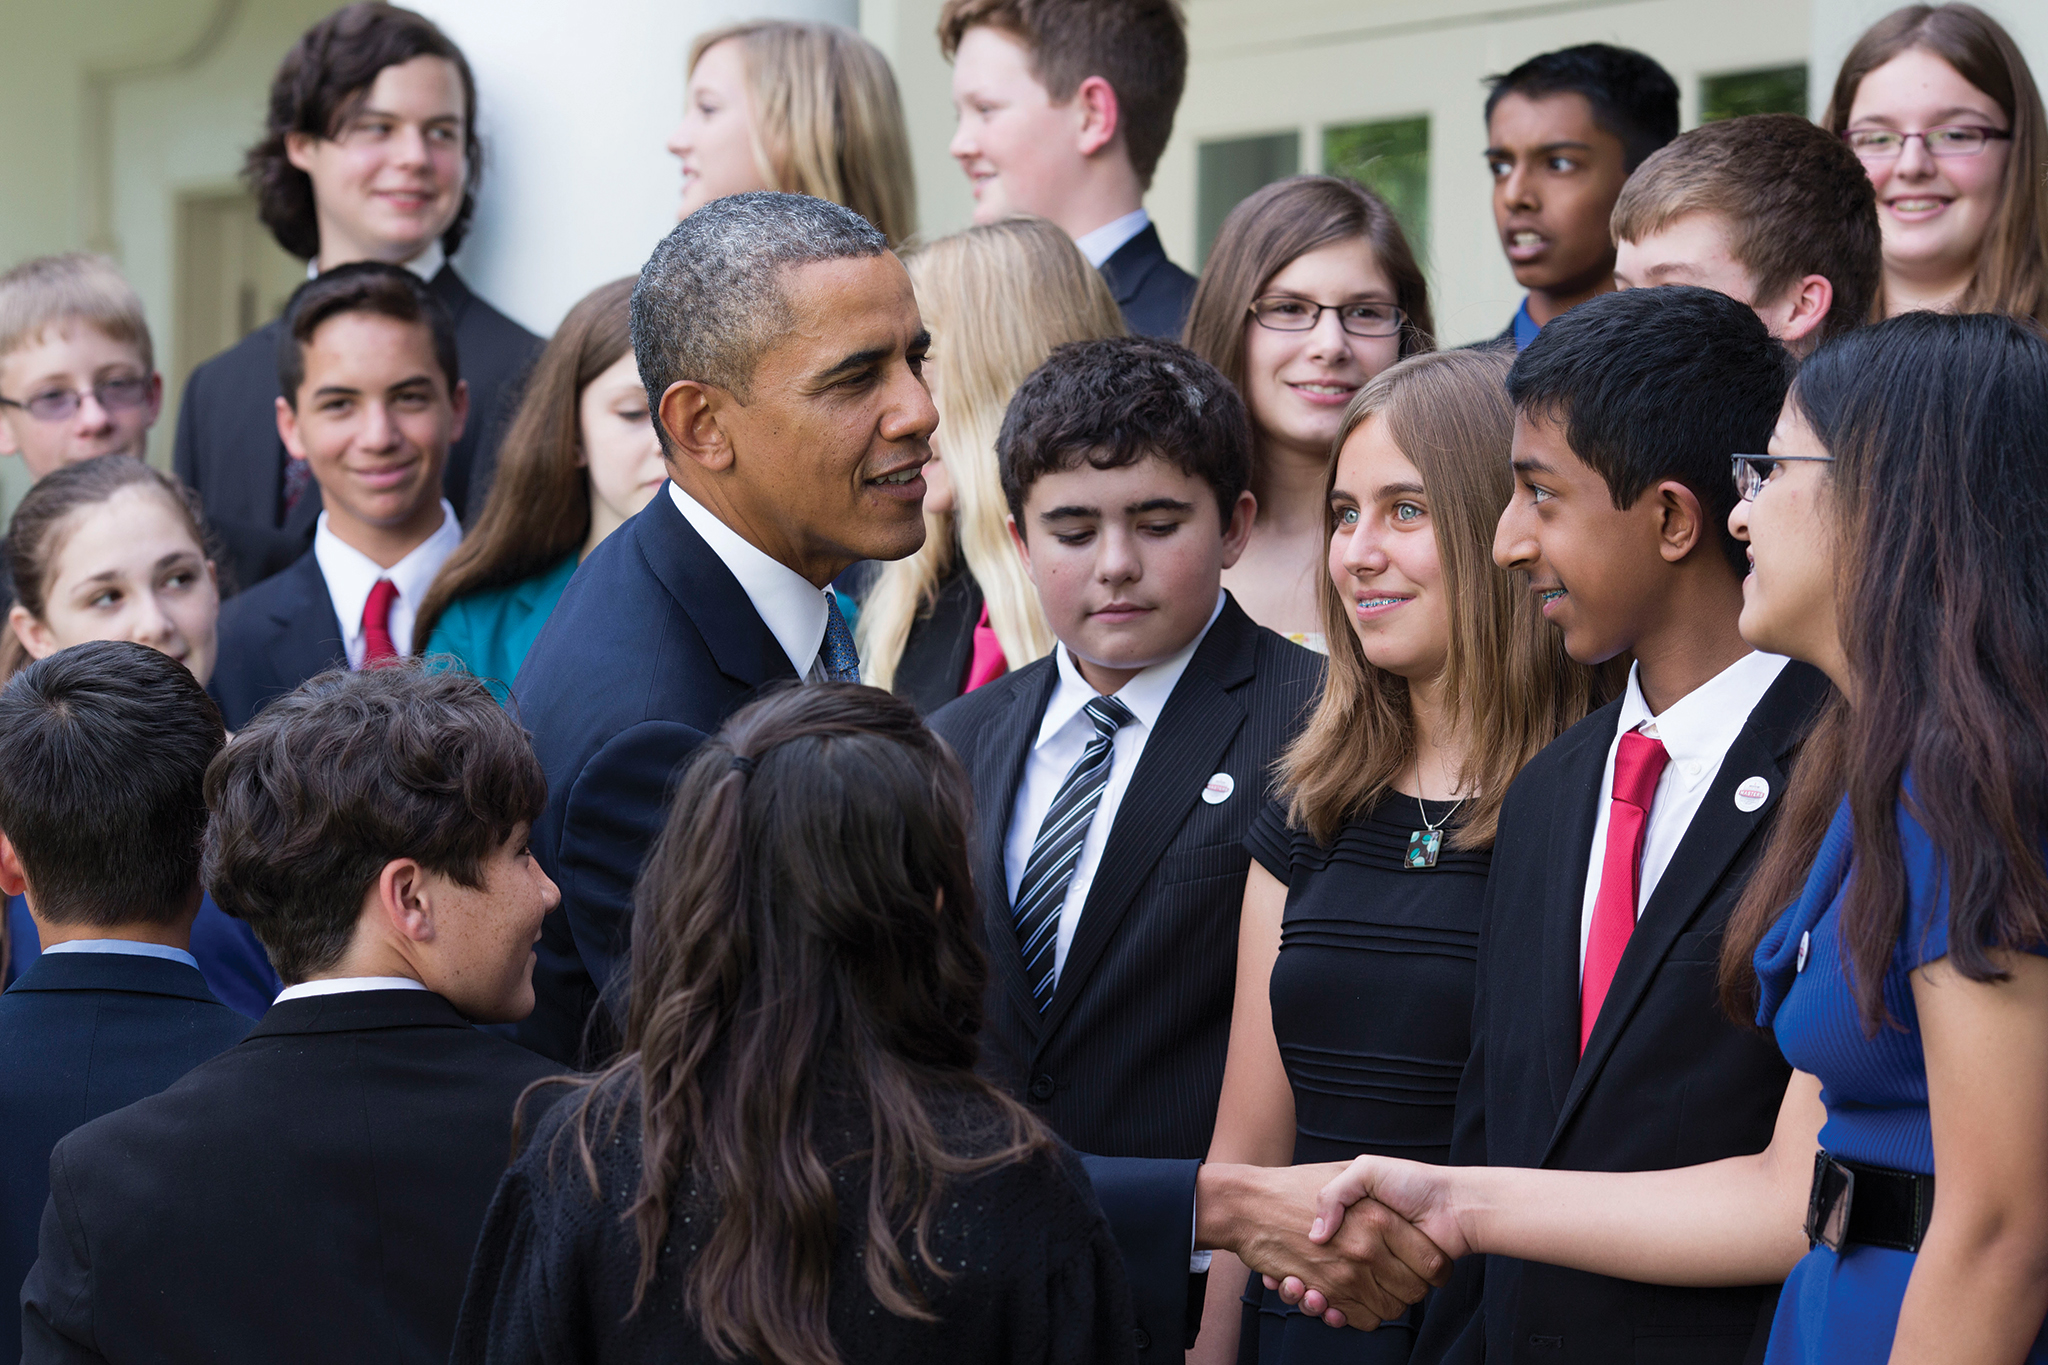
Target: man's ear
{"x":288,"y":428}
{"x":690,"y":415}
{"x":1101,"y":117}
{"x":459,"y":400}
{"x":1016,"y":539}
{"x":1681,"y":525}
{"x":1812,"y":298}
{"x":1238,"y":532}
{"x":13,"y":881}
{"x":404,"y":900}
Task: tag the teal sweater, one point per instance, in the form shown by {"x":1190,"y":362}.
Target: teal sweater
{"x":490,"y":632}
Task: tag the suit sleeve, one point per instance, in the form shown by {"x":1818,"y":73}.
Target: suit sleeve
{"x":1150,"y":1204}
{"x":56,"y":1299}
{"x":616,"y":806}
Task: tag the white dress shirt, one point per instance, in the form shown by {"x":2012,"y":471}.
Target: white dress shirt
{"x":1696,"y":731}
{"x":426,"y":265}
{"x":1062,"y":737}
{"x":125,"y":947}
{"x":342,"y":985}
{"x":1103,"y":243}
{"x":790,"y":605}
{"x":350,"y":575}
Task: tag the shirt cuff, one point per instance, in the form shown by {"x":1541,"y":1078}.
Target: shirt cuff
{"x":1198,"y":1261}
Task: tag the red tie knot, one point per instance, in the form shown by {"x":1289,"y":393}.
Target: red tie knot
{"x":1638,"y":763}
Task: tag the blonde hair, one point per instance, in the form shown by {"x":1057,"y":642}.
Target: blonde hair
{"x":828,"y":121}
{"x":41,"y":293}
{"x":997,"y":299}
{"x":1509,"y":687}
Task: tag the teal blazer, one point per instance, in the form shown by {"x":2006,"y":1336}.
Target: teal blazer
{"x":490,"y":632}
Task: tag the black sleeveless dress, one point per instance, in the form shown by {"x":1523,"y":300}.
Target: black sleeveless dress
{"x":1372,"y":1009}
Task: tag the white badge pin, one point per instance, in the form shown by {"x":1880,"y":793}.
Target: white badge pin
{"x":1753,"y":792}
{"x":1217,"y":789}
{"x":1805,"y":943}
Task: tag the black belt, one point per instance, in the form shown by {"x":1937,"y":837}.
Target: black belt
{"x":1852,"y":1203}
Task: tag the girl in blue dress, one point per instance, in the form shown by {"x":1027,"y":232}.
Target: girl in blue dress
{"x":1898,"y":530}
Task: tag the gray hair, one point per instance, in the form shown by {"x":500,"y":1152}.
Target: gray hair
{"x":709,"y":302}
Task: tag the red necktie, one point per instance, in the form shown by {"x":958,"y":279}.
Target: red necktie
{"x":1638,"y":763}
{"x":378,"y":649}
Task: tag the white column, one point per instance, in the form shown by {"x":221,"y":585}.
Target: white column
{"x":576,"y":98}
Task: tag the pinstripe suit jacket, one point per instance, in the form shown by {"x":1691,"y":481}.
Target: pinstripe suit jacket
{"x":1127,"y":1059}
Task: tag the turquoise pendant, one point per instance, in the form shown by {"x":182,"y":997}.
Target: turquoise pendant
{"x":1423,"y":845}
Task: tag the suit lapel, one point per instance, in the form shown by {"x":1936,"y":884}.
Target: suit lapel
{"x":1127,"y":266}
{"x":1196,"y":728}
{"x":707,"y":591}
{"x":995,"y":802}
{"x":1564,"y":896}
{"x":308,"y":639}
{"x":1717,"y":834}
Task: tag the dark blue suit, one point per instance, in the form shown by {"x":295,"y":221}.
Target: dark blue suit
{"x":1152,"y":292}
{"x":236,"y":968}
{"x":272,"y":638}
{"x":81,"y":1035}
{"x":652,"y":646}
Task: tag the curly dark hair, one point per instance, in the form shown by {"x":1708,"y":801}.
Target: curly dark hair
{"x":319,"y":86}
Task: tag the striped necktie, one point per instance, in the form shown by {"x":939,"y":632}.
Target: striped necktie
{"x":1057,"y":848}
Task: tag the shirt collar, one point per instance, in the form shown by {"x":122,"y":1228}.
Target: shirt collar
{"x":342,"y":985}
{"x":790,"y":605}
{"x":125,"y":948}
{"x":1698,"y":728}
{"x":1145,"y":695}
{"x":426,"y":265}
{"x":1103,"y":243}
{"x":350,"y":573}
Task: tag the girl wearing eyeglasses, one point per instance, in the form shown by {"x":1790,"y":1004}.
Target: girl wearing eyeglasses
{"x":1310,"y":291}
{"x":1940,"y":106}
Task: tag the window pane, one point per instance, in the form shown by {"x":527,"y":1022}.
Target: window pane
{"x":1229,"y":170}
{"x":1391,"y":158}
{"x":1773,"y":90}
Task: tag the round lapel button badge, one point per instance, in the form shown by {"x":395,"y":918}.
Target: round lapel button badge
{"x":1217,"y":789}
{"x":1751,"y":795}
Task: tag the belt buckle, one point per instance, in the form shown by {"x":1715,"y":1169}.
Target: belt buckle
{"x":1827,"y":1205}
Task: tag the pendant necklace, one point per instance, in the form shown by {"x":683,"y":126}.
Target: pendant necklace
{"x":1425,"y":843}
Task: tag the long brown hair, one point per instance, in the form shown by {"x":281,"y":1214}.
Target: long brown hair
{"x":1938,"y":496}
{"x":1509,"y":687}
{"x":828,"y":121}
{"x":2012,"y":265}
{"x":805,"y":926}
{"x":1270,"y":230}
{"x":43,"y":521}
{"x":997,"y":298}
{"x":538,"y":508}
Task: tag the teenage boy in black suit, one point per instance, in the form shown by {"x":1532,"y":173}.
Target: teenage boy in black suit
{"x":1598,"y":1041}
{"x":373,"y":399}
{"x":103,"y":749}
{"x":1116,"y":780}
{"x":314,"y":1193}
{"x":369,"y":153}
{"x":1064,"y":108}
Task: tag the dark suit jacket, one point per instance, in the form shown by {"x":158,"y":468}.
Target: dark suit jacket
{"x":311,"y":1195}
{"x":940,"y":646}
{"x":229,"y":453}
{"x":1127,"y":1058}
{"x":83,"y":1034}
{"x":652,"y":646}
{"x":1152,"y":291}
{"x":1667,"y":1080}
{"x":274,"y":637}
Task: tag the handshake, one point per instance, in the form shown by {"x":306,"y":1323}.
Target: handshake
{"x":1352,"y":1244}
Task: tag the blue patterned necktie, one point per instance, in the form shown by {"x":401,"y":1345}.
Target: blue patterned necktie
{"x":1050,"y":869}
{"x":837,"y":654}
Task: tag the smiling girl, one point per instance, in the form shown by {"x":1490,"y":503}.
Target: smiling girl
{"x":1361,"y":915}
{"x":1309,"y":292}
{"x":1940,"y":106}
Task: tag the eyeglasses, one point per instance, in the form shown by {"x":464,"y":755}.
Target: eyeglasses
{"x":60,"y":405}
{"x":1752,"y":472}
{"x":1283,"y":313}
{"x":1885,"y":144}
